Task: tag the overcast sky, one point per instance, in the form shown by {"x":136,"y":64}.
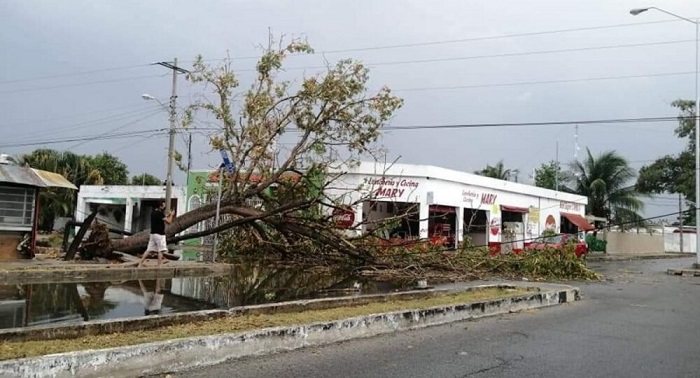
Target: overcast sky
{"x":44,"y":43}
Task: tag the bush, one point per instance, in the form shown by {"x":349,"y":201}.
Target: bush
{"x":595,"y":244}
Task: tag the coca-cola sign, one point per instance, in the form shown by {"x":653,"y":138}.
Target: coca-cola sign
{"x":343,"y":218}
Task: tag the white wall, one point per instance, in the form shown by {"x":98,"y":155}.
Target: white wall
{"x":672,"y":241}
{"x":128,"y":196}
{"x":413,"y":184}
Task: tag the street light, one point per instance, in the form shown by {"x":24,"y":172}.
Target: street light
{"x":696,"y":22}
{"x":148,"y":97}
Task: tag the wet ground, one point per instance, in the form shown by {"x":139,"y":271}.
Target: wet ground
{"x":70,"y":303}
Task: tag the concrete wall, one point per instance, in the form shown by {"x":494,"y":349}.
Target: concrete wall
{"x":634,"y":243}
{"x":672,"y":242}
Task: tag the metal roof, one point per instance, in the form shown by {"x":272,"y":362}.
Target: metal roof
{"x":18,"y":175}
{"x":54,"y":180}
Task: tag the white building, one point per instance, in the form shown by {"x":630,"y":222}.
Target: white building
{"x":455,"y":204}
{"x":126,"y":207}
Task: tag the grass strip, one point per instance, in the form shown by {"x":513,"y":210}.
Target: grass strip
{"x":20,"y":349}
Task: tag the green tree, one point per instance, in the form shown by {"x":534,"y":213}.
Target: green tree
{"x":146,"y":179}
{"x":112,"y":170}
{"x":58,"y":202}
{"x":325,"y":116}
{"x":675,"y":173}
{"x":608,"y":182}
{"x":498,"y":171}
{"x":551,"y":176}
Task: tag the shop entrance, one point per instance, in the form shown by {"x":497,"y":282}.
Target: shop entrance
{"x":573,"y":224}
{"x":475,"y":227}
{"x":376,"y":214}
{"x":442,"y":221}
{"x":513,"y":228}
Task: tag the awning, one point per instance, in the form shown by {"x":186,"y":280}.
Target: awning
{"x":54,"y":180}
{"x":514,"y":209}
{"x":579,"y":221}
{"x":442,"y":209}
{"x":19,"y":175}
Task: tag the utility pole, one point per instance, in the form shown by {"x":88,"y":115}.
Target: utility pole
{"x":556,"y":176}
{"x":171,"y":137}
{"x":189,"y":153}
{"x":680,"y":217}
{"x":576,"y":148}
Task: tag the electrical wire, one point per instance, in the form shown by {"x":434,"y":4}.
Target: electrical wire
{"x":465,"y":40}
{"x":55,"y":76}
{"x":129,"y":134}
{"x":579,"y":80}
{"x":503,"y":55}
{"x":45,"y":131}
{"x":12,"y":91}
{"x":518,"y":124}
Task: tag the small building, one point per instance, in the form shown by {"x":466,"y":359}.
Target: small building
{"x":19,"y":207}
{"x":126,"y":207}
{"x":457,"y":205}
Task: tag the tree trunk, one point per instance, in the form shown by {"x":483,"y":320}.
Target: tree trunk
{"x":70,"y":254}
{"x":138,"y":242}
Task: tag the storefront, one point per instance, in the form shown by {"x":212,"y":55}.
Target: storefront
{"x":457,"y":206}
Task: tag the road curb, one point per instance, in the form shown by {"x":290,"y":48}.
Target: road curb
{"x":638,"y":257}
{"x":684,"y":272}
{"x":181,"y":354}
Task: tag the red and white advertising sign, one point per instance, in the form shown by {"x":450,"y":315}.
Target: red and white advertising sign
{"x":343,"y":218}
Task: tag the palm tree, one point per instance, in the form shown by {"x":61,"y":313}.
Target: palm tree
{"x":57,"y":202}
{"x":608,"y":182}
{"x":498,"y":171}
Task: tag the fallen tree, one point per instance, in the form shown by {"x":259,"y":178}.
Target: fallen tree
{"x":330,"y":120}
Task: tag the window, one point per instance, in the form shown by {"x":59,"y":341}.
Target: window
{"x":16,"y":208}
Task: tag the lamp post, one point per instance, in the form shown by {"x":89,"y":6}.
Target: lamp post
{"x":696,"y":22}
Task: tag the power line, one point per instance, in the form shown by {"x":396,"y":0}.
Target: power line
{"x":601,"y":78}
{"x":110,"y":132}
{"x":88,"y":123}
{"x":464,"y":40}
{"x":370,"y":48}
{"x":55,"y":76}
{"x":129,"y":134}
{"x":516,"y":124}
{"x":76,"y":115}
{"x":503,"y":55}
{"x":528,"y":124}
{"x":79,"y":84}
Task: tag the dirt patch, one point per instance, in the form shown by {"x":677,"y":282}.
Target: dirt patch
{"x":11,"y":350}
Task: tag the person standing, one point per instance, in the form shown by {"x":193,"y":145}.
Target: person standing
{"x":156,"y":241}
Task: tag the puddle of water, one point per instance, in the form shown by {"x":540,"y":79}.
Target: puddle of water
{"x":74,"y":303}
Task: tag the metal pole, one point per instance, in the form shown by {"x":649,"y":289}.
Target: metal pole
{"x":171,"y":141}
{"x":680,"y":217}
{"x":556,"y":175}
{"x":218,"y":208}
{"x":697,"y":140}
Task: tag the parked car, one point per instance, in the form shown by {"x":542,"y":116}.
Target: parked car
{"x":558,"y":241}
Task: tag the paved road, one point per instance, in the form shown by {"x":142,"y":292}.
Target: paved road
{"x":639,"y":323}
